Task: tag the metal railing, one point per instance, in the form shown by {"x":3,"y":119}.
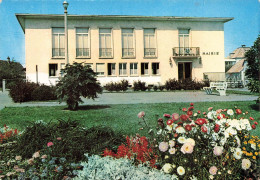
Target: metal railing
{"x":105,"y":52}
{"x":128,"y":52}
{"x":82,"y":52}
{"x":150,"y":52}
{"x":58,"y":52}
{"x":186,"y":51}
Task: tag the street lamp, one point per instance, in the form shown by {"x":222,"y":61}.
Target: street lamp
{"x":65,"y":5}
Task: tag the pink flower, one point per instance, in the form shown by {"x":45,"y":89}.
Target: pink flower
{"x":44,"y":156}
{"x":218,"y":111}
{"x":184,"y":117}
{"x":58,"y":138}
{"x":184,"y":109}
{"x":187,"y":148}
{"x":163,"y":146}
{"x":213,"y":170}
{"x":218,"y":150}
{"x":175,"y":116}
{"x":141,"y":114}
{"x":49,"y":144}
{"x":210,"y":108}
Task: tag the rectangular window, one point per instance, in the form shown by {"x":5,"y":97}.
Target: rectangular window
{"x":133,"y":69}
{"x":58,"y":42}
{"x":100,"y":69}
{"x":53,"y":68}
{"x":105,"y":43}
{"x":122,"y":69}
{"x":155,"y":68}
{"x":89,"y":64}
{"x":128,"y":43}
{"x":82,"y":42}
{"x":111,"y":69}
{"x":144,"y":68}
{"x":184,"y":42}
{"x":149,"y":43}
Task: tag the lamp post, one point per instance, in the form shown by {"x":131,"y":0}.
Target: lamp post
{"x":65,"y":5}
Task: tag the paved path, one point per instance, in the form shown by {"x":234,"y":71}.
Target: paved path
{"x":138,"y":97}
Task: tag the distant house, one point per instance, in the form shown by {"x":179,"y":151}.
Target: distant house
{"x":236,"y":65}
{"x":146,"y":48}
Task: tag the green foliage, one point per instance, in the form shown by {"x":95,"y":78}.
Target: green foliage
{"x":252,"y":72}
{"x":21,"y":91}
{"x":11,"y":70}
{"x":69,"y":138}
{"x":186,"y":84}
{"x":78,"y":81}
{"x":139,"y":86}
{"x":44,"y":93}
{"x":161,"y":88}
{"x":109,"y":168}
{"x":155,"y":88}
{"x":117,"y":86}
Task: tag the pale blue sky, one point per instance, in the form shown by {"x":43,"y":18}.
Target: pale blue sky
{"x":243,"y":29}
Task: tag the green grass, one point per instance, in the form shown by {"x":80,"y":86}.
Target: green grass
{"x":122,"y":118}
{"x":241,"y":92}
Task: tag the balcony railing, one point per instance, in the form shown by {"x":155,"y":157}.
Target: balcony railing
{"x":58,"y":52}
{"x":82,"y":52}
{"x":105,"y":52}
{"x":186,"y":51}
{"x":128,"y":52}
{"x":149,"y":52}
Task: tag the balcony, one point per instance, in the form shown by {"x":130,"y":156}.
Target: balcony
{"x":128,"y":52}
{"x":58,"y":52}
{"x":149,"y":52}
{"x":82,"y":52}
{"x":186,"y":52}
{"x":105,"y":52}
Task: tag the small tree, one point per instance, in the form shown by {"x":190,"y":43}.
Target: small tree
{"x":78,"y":81}
{"x":252,"y":72}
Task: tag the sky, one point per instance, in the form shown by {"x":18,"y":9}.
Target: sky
{"x":243,"y":30}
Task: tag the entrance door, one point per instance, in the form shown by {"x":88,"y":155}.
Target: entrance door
{"x":184,"y":70}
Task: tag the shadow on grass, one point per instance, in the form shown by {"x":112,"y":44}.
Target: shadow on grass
{"x":255,"y":107}
{"x":91,"y":107}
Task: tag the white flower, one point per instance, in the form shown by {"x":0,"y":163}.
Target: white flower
{"x":210,"y":115}
{"x":171,"y":143}
{"x":238,"y":153}
{"x":211,"y":177}
{"x":180,"y":130}
{"x":36,"y":154}
{"x":195,"y":114}
{"x":193,"y":177}
{"x":238,"y":141}
{"x":218,"y":150}
{"x":172,"y":151}
{"x":231,"y":130}
{"x":191,"y":141}
{"x":159,"y":132}
{"x":187,"y":148}
{"x":169,"y":127}
{"x":230,"y":112}
{"x":229,"y":172}
{"x":253,"y":146}
{"x":181,"y":139}
{"x":167,"y":168}
{"x":180,"y":170}
{"x":246,"y":164}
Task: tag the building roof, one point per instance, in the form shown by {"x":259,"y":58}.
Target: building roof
{"x":238,"y":67}
{"x":238,"y":53}
{"x":22,"y":17}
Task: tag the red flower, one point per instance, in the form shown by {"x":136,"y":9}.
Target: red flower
{"x":251,"y":118}
{"x":223,"y":115}
{"x":253,"y":126}
{"x":167,"y":115}
{"x":216,"y":128}
{"x":189,"y":113}
{"x":200,"y":121}
{"x":198,"y":112}
{"x":190,"y":108}
{"x":225,"y":110}
{"x":184,"y":117}
{"x":191,"y":104}
{"x":204,"y":113}
{"x":256,"y":123}
{"x":238,"y":111}
{"x":179,"y":123}
{"x":188,"y":127}
{"x":50,"y":144}
{"x":219,"y":117}
{"x":175,"y":116}
{"x":184,"y":109}
{"x":204,"y":129}
{"x":175,"y":135}
{"x":169,"y":122}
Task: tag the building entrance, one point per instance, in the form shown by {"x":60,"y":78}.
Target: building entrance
{"x":184,"y":70}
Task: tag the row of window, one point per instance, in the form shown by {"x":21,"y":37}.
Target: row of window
{"x":112,"y":68}
{"x":105,"y":42}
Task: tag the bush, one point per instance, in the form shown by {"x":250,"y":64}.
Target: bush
{"x":21,"y":91}
{"x":139,"y":86}
{"x":78,"y":81}
{"x":44,"y":93}
{"x":155,"y":88}
{"x":185,"y":84}
{"x":253,"y":85}
{"x":69,"y":138}
{"x":109,"y":168}
{"x":161,"y":88}
{"x":119,"y":86}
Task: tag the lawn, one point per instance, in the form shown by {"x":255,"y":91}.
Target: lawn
{"x":122,"y":118}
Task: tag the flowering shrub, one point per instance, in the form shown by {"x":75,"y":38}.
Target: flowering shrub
{"x":137,"y":148}
{"x":7,"y":133}
{"x":213,"y":144}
